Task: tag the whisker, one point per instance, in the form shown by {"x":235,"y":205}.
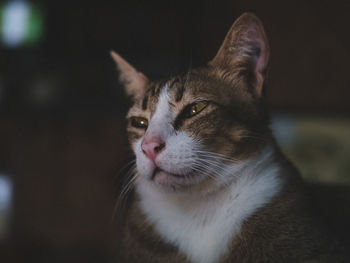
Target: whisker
{"x":215,"y":176}
{"x":210,"y":164}
{"x":127,"y":166}
{"x":205,"y":172}
{"x":188,"y":72}
{"x":127,"y":187}
{"x":218,"y":155}
{"x":212,"y":157}
{"x":208,"y":168}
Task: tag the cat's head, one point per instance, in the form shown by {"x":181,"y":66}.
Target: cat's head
{"x":190,"y":130}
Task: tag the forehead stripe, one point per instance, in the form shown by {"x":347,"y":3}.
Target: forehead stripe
{"x":145,"y":102}
{"x":158,"y":88}
{"x":160,"y":123}
{"x":173,"y":82}
{"x":179,"y":93}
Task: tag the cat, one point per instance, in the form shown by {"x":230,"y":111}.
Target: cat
{"x":211,"y":184}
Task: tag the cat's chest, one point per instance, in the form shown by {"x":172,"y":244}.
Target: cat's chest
{"x":204,"y":230}
{"x":202,"y":233}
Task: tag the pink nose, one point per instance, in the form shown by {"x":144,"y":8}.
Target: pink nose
{"x":152,"y":147}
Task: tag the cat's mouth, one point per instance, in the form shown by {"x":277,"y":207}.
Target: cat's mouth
{"x":160,"y":172}
{"x":166,"y":179}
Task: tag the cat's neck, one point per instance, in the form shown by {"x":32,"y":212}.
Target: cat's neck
{"x":203,"y":226}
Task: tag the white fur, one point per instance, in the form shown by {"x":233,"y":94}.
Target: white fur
{"x":177,"y":156}
{"x":202,"y":227}
{"x":160,"y":124}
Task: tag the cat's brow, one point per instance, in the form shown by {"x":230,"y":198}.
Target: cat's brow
{"x":145,"y":102}
{"x":179,"y":93}
{"x":158,"y":88}
{"x":173,"y":82}
{"x":181,"y":89}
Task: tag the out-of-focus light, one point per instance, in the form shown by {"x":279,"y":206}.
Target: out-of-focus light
{"x":6,"y":191}
{"x":20,"y":23}
{"x":283,"y":127}
{"x":1,"y":90}
{"x":15,"y":23}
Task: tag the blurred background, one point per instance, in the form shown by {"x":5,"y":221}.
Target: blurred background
{"x":62,"y":139}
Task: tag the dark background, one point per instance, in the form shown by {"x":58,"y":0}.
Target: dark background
{"x":62,"y":139}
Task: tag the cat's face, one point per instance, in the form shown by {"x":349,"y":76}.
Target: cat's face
{"x":194,"y":128}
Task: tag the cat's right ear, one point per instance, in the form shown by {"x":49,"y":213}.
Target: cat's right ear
{"x":135,"y":82}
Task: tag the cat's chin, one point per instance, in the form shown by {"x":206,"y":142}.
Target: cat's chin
{"x":166,"y":179}
{"x":189,"y":183}
{"x":163,"y":178}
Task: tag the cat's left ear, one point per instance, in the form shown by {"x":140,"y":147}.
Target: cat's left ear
{"x":245,"y":50}
{"x":135,"y":82}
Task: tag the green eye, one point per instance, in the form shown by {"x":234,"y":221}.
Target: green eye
{"x":139,"y":122}
{"x":196,"y":108}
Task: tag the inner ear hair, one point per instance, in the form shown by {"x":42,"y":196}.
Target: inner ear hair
{"x":135,"y":82}
{"x":245,"y":47}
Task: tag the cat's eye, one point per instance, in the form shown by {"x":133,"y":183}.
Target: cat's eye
{"x":195,"y":108}
{"x":139,"y":122}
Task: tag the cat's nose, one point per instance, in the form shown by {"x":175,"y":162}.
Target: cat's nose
{"x":152,"y":147}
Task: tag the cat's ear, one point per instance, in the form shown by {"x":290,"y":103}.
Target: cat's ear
{"x":135,"y":82}
{"x":246,"y":49}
